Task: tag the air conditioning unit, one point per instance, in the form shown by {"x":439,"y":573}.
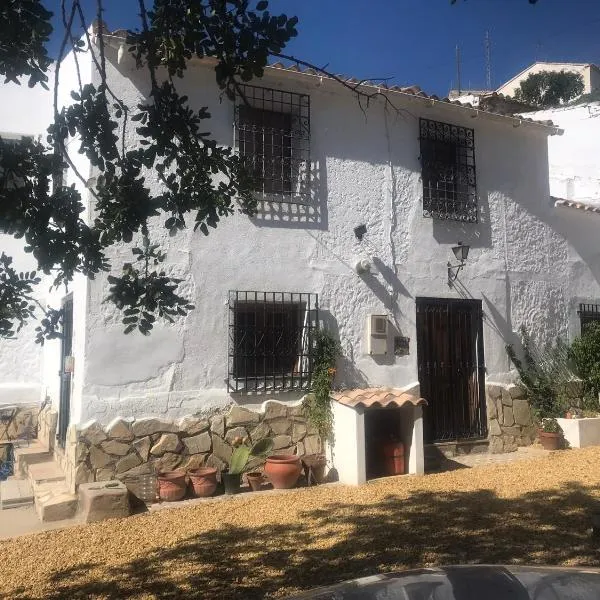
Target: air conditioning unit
{"x":377,"y":334}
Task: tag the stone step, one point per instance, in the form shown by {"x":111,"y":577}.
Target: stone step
{"x":45,"y":472}
{"x":15,"y":492}
{"x":29,"y":454}
{"x":53,"y":501}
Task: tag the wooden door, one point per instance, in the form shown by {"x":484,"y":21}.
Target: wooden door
{"x":451,"y":368}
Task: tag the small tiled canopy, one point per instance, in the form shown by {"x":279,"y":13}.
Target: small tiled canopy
{"x":377,"y":397}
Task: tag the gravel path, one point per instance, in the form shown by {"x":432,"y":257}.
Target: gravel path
{"x":270,"y":545}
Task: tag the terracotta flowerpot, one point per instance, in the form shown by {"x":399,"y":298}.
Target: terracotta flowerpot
{"x":255,"y":480}
{"x":204,"y":481}
{"x":283,"y":470}
{"x":550,"y":441}
{"x":394,"y":458}
{"x":172,"y":485}
{"x":231,"y":482}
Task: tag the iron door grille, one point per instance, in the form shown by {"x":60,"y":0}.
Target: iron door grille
{"x":451,"y":368}
{"x":271,"y":336}
{"x":64,"y":413}
{"x":272,"y":129}
{"x":588,"y":313}
{"x":448,"y":171}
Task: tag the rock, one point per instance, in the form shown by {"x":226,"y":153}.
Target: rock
{"x":275,"y":410}
{"x":312,"y":444}
{"x":197,"y":443}
{"x":119,"y":429}
{"x":300,"y":449}
{"x":508,"y":419}
{"x":103,"y":501}
{"x":81,"y":452}
{"x":83,"y":474}
{"x":494,"y":391}
{"x":217,"y":425}
{"x":492,"y":412}
{"x":104,"y":474}
{"x":312,"y":428}
{"x":71,"y":432}
{"x":142,"y":447}
{"x":193,"y":462}
{"x":281,"y":441}
{"x":516,"y":392}
{"x":234,"y":433}
{"x":215,"y":462}
{"x":510,"y":444}
{"x":514,"y":431}
{"x":114,"y":447}
{"x":168,"y":442}
{"x":221,"y":449}
{"x":143,"y":469}
{"x":499,"y":409}
{"x":298,"y":432}
{"x":296,"y":411}
{"x":260,"y":432}
{"x":494,"y":427}
{"x":238,"y":415}
{"x":190,"y":425}
{"x":168,"y":462}
{"x":92,"y":432}
{"x":522,"y":412}
{"x":506,"y":398}
{"x":99,"y":458}
{"x":280,"y":426}
{"x":496,"y":445}
{"x":128,"y":462}
{"x":151,"y":425}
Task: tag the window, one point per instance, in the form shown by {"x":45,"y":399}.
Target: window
{"x":273,"y":135}
{"x":588,"y":313}
{"x":448,"y":171}
{"x":270,"y":337}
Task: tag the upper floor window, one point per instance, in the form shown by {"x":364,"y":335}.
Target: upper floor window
{"x":273,"y":135}
{"x":270,"y":337}
{"x":588,"y":313}
{"x":448,"y":171}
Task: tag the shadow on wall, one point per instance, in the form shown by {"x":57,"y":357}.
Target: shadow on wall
{"x":342,"y":541}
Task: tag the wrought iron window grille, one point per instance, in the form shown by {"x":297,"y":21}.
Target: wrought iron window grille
{"x":272,"y":130}
{"x":448,"y":171}
{"x":271,"y":336}
{"x":588,"y":313}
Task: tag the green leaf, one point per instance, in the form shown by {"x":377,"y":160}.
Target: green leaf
{"x":239,"y":459}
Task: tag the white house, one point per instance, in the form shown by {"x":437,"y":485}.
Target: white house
{"x":590,"y":73}
{"x":359,"y":236}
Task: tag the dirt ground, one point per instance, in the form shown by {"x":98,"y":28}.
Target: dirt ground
{"x":270,"y":545}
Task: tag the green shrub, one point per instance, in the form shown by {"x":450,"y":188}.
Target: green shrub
{"x":585,"y":355}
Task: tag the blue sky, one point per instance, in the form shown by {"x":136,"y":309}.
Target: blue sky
{"x":414,"y":41}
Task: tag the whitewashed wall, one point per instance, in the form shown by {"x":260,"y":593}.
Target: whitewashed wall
{"x":526,"y":264}
{"x":25,"y":112}
{"x":574,"y":157}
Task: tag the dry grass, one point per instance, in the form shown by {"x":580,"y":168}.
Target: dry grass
{"x":270,"y":545}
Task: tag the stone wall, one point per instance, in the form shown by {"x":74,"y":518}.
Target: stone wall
{"x":129,"y":447}
{"x":47,"y":421}
{"x":23,"y":426}
{"x":510,"y":420}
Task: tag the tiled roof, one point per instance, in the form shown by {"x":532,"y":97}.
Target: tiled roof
{"x":415,"y":91}
{"x":576,"y":205}
{"x":376,"y":397}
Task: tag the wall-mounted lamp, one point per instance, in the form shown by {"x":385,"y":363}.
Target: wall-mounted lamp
{"x":461,"y":252}
{"x":360,"y":231}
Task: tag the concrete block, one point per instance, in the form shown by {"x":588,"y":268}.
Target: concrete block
{"x":103,"y":500}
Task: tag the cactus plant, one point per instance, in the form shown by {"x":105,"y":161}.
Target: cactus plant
{"x":243,"y":453}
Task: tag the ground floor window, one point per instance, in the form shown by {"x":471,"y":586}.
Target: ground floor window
{"x":270,"y":337}
{"x":588,"y":313}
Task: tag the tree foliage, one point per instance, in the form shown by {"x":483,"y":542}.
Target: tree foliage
{"x":548,"y":89}
{"x":585,"y":354}
{"x":201,"y":181}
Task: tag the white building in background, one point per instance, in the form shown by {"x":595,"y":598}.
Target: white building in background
{"x":590,"y":73}
{"x":356,"y":228}
{"x":25,"y":112}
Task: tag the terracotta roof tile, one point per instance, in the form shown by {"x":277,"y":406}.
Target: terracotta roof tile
{"x":376,"y":397}
{"x":576,"y":205}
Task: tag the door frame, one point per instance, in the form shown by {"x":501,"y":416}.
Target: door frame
{"x":65,"y":378}
{"x":478,"y":349}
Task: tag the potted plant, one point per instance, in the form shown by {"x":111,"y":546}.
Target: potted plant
{"x":172,"y":485}
{"x":255,"y":480}
{"x":204,"y":481}
{"x":242,"y":455}
{"x":283,"y":470}
{"x":550,"y":434}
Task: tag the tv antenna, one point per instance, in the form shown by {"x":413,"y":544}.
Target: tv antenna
{"x":488,"y":60}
